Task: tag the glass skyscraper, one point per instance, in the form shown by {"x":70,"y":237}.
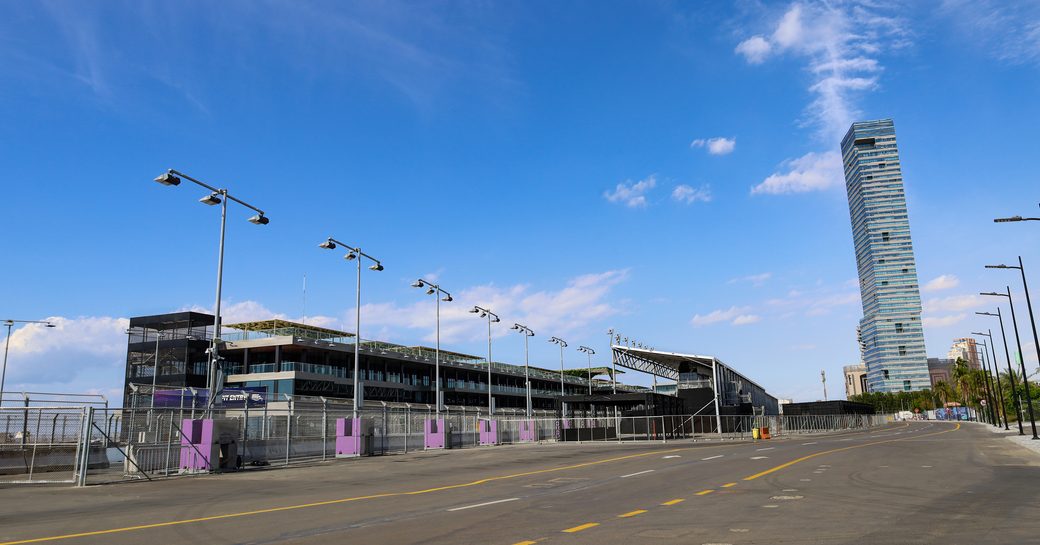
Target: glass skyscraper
{"x":890,"y":333}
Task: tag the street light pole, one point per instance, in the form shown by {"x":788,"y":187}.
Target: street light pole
{"x":1011,"y":373}
{"x":996,"y":375}
{"x":7,"y":347}
{"x":1029,"y":305}
{"x":993,"y":416}
{"x":563,"y":344}
{"x":527,"y":333}
{"x":434,"y":289}
{"x":217,"y":196}
{"x":491,"y":318}
{"x":611,"y":334}
{"x":1021,"y":360}
{"x":588,"y":351}
{"x":354,"y":253}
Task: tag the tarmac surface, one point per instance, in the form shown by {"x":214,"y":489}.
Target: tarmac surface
{"x":905,"y":483}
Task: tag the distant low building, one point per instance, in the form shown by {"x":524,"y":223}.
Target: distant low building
{"x":855,"y":379}
{"x":965,"y":349}
{"x":939,"y":369}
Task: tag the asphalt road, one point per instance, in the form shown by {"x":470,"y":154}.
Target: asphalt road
{"x":921,"y":482}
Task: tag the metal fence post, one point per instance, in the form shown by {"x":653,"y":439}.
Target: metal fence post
{"x":169,"y":447}
{"x":324,"y":428}
{"x":84,"y":451}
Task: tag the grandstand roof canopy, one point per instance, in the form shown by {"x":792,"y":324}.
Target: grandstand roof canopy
{"x":301,"y":330}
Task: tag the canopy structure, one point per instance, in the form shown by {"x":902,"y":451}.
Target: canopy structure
{"x":277,"y":327}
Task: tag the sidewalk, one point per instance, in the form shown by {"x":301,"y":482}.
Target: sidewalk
{"x":1012,"y":434}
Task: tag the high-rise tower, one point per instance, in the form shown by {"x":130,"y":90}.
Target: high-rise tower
{"x":890,"y":332}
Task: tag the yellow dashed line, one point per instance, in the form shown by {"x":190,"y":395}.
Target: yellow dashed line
{"x":526,"y":543}
{"x":632,"y":513}
{"x":804,"y":458}
{"x":675,"y":501}
{"x":727,"y":485}
{"x":585,"y":526}
{"x":705,"y":492}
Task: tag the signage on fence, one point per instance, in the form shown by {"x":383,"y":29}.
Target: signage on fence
{"x":230,"y":398}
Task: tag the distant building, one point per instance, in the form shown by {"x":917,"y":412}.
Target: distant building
{"x":967,"y":350}
{"x":891,"y":335}
{"x":939,"y":370}
{"x":855,"y":379}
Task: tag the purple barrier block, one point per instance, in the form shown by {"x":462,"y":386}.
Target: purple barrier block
{"x":489,"y":432}
{"x":435,"y":434}
{"x":348,"y":437}
{"x":528,"y":431}
{"x":566,"y":423}
{"x":196,"y":445}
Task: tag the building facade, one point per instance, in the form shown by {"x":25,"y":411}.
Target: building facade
{"x":855,"y":379}
{"x":965,"y":349}
{"x":891,"y":335}
{"x":940,"y":370}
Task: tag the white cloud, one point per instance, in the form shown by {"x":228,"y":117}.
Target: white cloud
{"x":954,"y":303}
{"x":942,"y":282}
{"x":734,"y":315}
{"x":1007,"y":31}
{"x":689,"y":195}
{"x":755,"y":280}
{"x":755,"y":49}
{"x":943,"y":321}
{"x":810,"y":172}
{"x":718,"y":145}
{"x":632,"y":195}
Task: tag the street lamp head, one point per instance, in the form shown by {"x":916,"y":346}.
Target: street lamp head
{"x":168,"y":179}
{"x":993,"y":293}
{"x":985,"y":314}
{"x":48,"y":324}
{"x":1006,"y":220}
{"x":351,"y":256}
{"x":494,"y":319}
{"x":211,"y":200}
{"x":259,"y":219}
{"x":448,"y":299}
{"x":418,"y":284}
{"x":515,"y":327}
{"x":980,"y":334}
{"x":429,"y":291}
{"x":377,"y":267}
{"x":327,"y":245}
{"x":475,"y":310}
{"x":1001,"y":266}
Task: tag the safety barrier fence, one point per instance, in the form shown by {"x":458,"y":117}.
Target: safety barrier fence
{"x":88,"y":445}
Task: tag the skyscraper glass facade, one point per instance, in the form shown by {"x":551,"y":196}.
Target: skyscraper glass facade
{"x":891,"y":336}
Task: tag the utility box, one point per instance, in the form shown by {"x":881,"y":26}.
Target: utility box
{"x":528,"y":431}
{"x":354,"y":437}
{"x":436,"y":434}
{"x":209,"y":444}
{"x":489,"y":432}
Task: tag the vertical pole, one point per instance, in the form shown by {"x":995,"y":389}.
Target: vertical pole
{"x":169,"y":446}
{"x":996,"y":377}
{"x":562,"y":392}
{"x":155,"y":373}
{"x":613,"y":365}
{"x":527,"y":373}
{"x":324,"y":428}
{"x":357,"y":341}
{"x":3,"y":371}
{"x":437,"y":359}
{"x":715,"y":386}
{"x":1022,"y":363}
{"x":994,"y":416}
{"x":213,"y":357}
{"x":491,"y":399}
{"x":1011,"y":374}
{"x":589,"y":354}
{"x":1032,"y":322}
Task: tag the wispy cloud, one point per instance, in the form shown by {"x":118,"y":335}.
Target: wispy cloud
{"x":718,"y":145}
{"x":943,"y":321}
{"x":942,"y":282}
{"x":841,"y":44}
{"x":1007,"y":31}
{"x":755,"y":280}
{"x":734,"y":315}
{"x":688,"y":195}
{"x":632,"y":194}
{"x":954,"y":303}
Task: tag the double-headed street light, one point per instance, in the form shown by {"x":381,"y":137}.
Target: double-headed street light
{"x":563,"y":344}
{"x":1000,"y":392}
{"x":354,"y":253}
{"x":527,"y":333}
{"x":436,"y":291}
{"x":588,"y":351}
{"x":217,"y":196}
{"x":7,"y":346}
{"x":1021,"y":359}
{"x":1011,"y":373}
{"x":491,"y":318}
{"x":1014,"y":218}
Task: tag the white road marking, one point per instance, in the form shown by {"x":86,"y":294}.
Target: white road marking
{"x":637,"y":473}
{"x":739,"y":530}
{"x":759,"y":457}
{"x":790,"y":490}
{"x":805,"y":480}
{"x":482,"y":504}
{"x":813,"y":443}
{"x":770,"y":506}
{"x":712,"y":457}
{"x":671,"y":456}
{"x":926,"y":466}
{"x":787,"y":497}
{"x":767,"y":448}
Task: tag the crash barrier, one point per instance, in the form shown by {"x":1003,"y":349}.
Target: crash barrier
{"x":91,"y":445}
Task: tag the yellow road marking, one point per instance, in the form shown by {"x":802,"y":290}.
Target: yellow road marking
{"x":632,"y":513}
{"x":585,"y":526}
{"x":832,"y":451}
{"x":705,"y":492}
{"x":526,"y":543}
{"x":727,"y":485}
{"x":675,"y":501}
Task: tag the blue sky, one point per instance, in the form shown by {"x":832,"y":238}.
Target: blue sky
{"x":664,"y":169}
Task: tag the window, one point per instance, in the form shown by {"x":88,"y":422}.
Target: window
{"x":899,"y":328}
{"x":885,"y":373}
{"x":906,"y":385}
{"x":885,"y":236}
{"x":902,"y":350}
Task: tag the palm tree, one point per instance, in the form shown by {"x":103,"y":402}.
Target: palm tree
{"x":946,"y":391}
{"x":966,"y":380}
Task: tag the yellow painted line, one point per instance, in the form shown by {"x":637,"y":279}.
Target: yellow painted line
{"x":526,"y":543}
{"x":727,"y":485}
{"x":632,"y":513}
{"x":706,"y":492}
{"x":585,"y":526}
{"x":356,"y":498}
{"x":675,"y":501}
{"x":832,"y":451}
